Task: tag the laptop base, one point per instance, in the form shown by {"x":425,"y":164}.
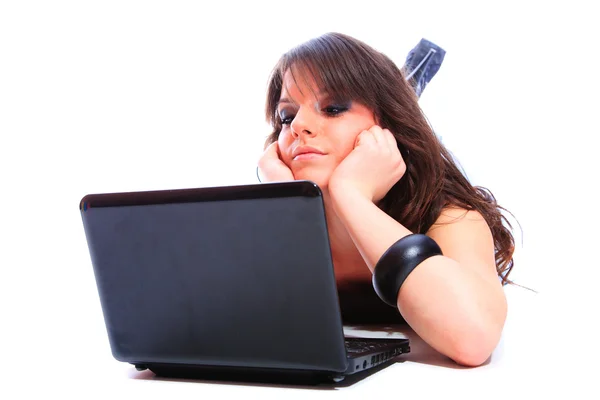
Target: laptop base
{"x":240,"y":374}
{"x":356,"y":364}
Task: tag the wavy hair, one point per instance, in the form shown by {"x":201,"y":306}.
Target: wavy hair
{"x":347,"y":68}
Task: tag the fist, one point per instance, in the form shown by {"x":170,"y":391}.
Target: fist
{"x":372,"y":167}
{"x":271,"y":168}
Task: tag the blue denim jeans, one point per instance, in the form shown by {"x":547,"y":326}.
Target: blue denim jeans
{"x":422,"y":63}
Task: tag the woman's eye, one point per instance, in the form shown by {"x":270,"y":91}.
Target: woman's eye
{"x":335,"y":110}
{"x":286,"y":119}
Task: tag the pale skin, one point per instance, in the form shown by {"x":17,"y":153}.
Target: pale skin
{"x":454,"y":302}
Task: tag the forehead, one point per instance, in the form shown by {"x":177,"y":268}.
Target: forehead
{"x":300,"y":84}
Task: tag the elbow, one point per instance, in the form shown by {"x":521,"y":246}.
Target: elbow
{"x":469,"y":355}
{"x":473,"y":350}
{"x":474,"y":346}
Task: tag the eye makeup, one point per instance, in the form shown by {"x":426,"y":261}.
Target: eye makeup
{"x":328,"y":106}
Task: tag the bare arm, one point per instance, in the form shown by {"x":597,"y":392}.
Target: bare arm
{"x":454,"y":302}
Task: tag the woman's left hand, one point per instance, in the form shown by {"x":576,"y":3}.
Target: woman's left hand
{"x":372,"y":167}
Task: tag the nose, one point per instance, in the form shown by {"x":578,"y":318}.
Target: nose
{"x":302,"y":124}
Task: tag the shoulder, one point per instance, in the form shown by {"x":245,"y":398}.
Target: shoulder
{"x":465,"y":236}
{"x":455,"y":215}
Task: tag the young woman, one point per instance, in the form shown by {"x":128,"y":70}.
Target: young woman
{"x":406,"y":227}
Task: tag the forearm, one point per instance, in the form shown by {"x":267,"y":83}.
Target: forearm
{"x":371,"y":230}
{"x":453,"y":309}
{"x":450,"y":307}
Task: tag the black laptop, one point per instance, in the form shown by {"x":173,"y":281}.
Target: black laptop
{"x":224,"y":278}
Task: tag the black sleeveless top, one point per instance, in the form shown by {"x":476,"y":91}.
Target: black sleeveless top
{"x":360,"y":304}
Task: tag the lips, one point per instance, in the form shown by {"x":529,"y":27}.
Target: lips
{"x":306,"y":153}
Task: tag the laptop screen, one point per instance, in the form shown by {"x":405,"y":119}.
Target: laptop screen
{"x":221,"y":281}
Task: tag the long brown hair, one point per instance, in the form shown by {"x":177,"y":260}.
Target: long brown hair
{"x":347,"y":68}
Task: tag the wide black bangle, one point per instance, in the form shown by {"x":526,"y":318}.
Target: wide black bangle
{"x":398,"y":262}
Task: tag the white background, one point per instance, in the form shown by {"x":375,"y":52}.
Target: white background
{"x":137,"y":95}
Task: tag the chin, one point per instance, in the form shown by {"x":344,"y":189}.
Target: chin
{"x":322,"y":180}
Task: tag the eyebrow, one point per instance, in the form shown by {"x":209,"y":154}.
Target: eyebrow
{"x":285,"y":100}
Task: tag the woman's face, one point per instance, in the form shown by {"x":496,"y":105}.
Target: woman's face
{"x":318,"y":131}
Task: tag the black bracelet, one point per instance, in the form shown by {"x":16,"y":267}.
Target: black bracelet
{"x":398,"y":262}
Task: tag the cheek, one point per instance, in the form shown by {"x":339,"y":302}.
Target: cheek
{"x":347,"y":145}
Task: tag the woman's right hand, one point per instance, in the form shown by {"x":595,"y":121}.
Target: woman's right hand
{"x":271,"y":168}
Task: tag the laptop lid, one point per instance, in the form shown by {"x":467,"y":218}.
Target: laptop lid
{"x":236,"y":276}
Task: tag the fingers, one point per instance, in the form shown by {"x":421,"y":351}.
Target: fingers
{"x":272,"y":148}
{"x":271,"y":167}
{"x":391,"y":140}
{"x":378,"y":134}
{"x":272,"y":151}
{"x":365,"y":138}
{"x":382,"y":137}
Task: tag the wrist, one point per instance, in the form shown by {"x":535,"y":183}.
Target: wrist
{"x":347,"y":200}
{"x":341,"y":191}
